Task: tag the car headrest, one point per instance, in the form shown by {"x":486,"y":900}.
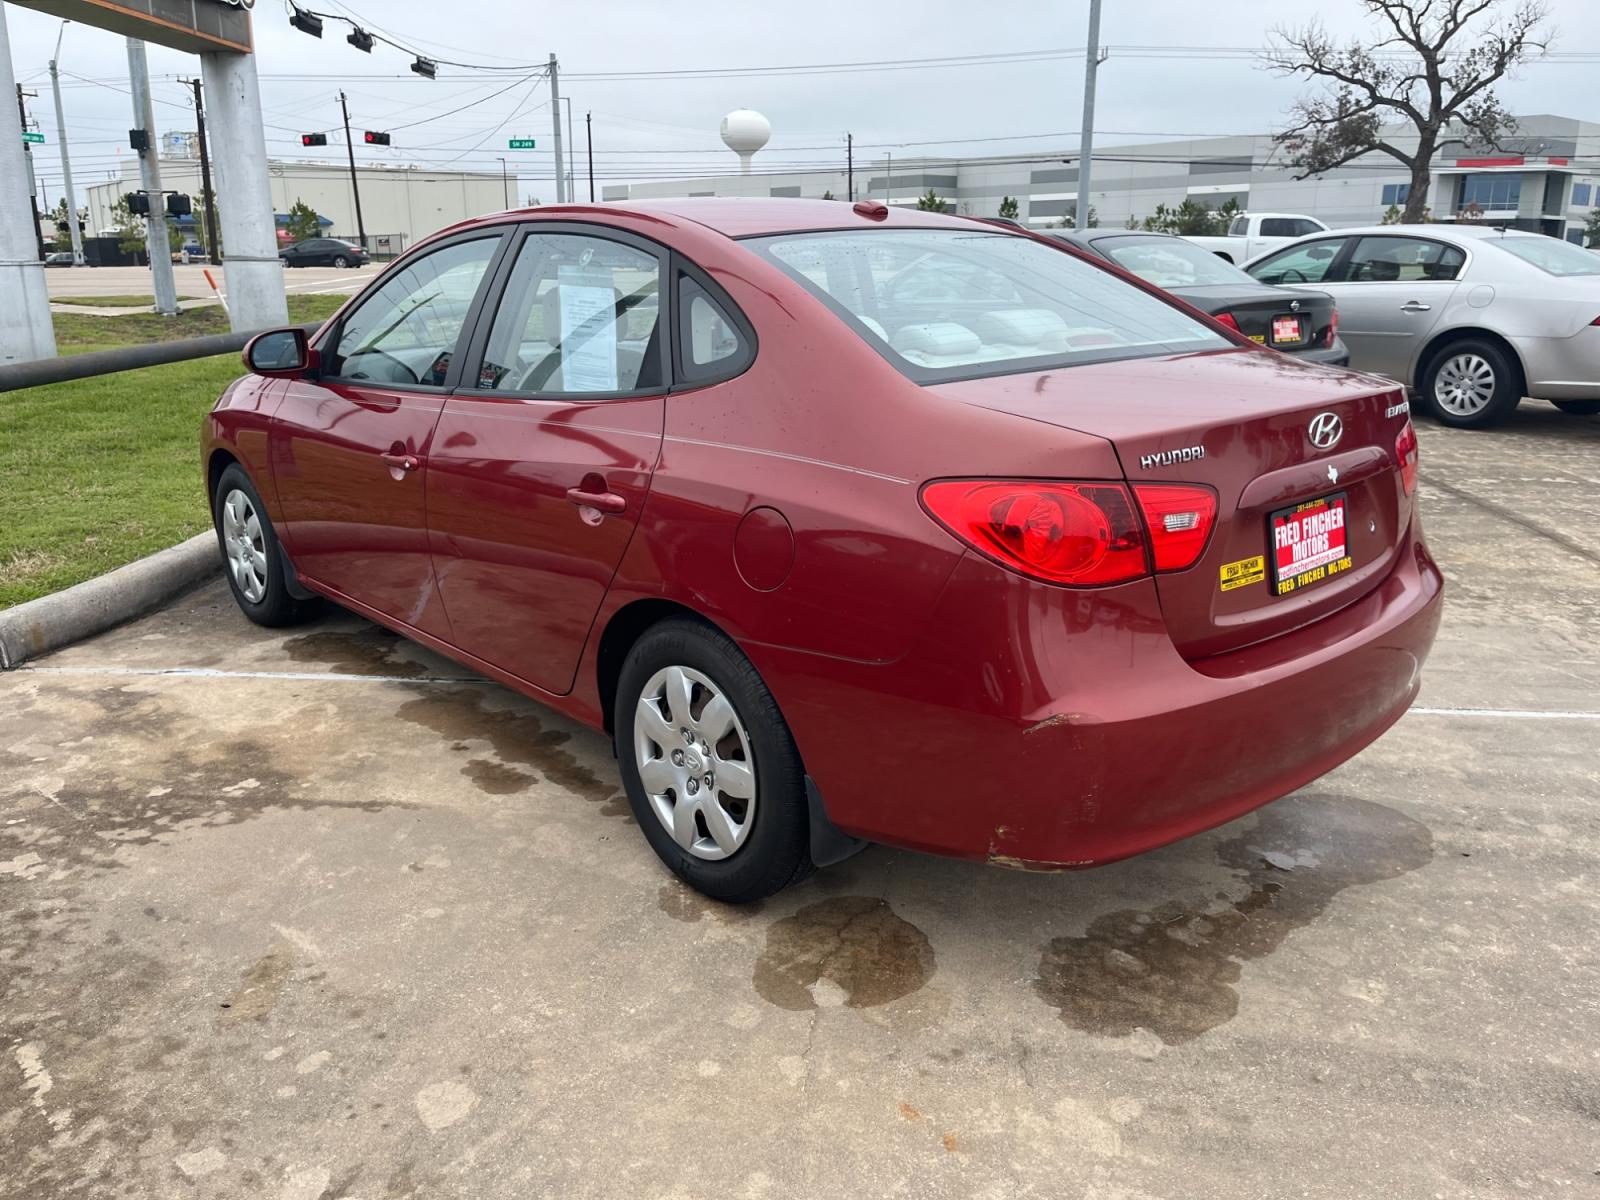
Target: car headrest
{"x":935,"y":337}
{"x":551,"y":303}
{"x":1022,"y":326}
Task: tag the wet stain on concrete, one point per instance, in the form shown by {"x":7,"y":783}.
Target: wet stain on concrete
{"x":497,"y":779}
{"x":257,"y":995}
{"x":683,"y":903}
{"x":370,"y":650}
{"x":516,"y":736}
{"x":849,"y":950}
{"x":1172,"y":969}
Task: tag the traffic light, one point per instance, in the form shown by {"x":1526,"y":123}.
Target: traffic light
{"x":313,"y":139}
{"x":139,"y":140}
{"x":306,"y":22}
{"x":374,"y":138}
{"x":179,"y":205}
{"x":138,"y":204}
{"x":425,"y":67}
{"x":360,"y":39}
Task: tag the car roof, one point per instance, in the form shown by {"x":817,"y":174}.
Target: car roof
{"x":747,"y":216}
{"x":1444,"y":230}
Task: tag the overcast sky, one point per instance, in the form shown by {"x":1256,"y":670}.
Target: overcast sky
{"x":650,"y":128}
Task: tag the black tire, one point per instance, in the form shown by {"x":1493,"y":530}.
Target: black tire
{"x":340,"y":261}
{"x":275,"y":606}
{"x":1578,"y":408}
{"x":776,"y":850}
{"x":1445,"y":368}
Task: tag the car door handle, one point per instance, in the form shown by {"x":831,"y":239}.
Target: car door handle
{"x":1415,"y":306}
{"x":401,"y":462}
{"x":608,"y":502}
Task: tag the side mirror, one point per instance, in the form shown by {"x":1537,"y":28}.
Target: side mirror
{"x":280,"y":354}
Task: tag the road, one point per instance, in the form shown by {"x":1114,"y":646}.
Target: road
{"x":190,"y":280}
{"x":314,"y":913}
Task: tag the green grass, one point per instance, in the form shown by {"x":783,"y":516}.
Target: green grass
{"x":98,"y":472}
{"x":111,"y":301}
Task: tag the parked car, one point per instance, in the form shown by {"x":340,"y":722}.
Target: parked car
{"x":323,"y":252}
{"x":58,"y":258}
{"x":1296,"y":321}
{"x":1253,"y":234}
{"x":1474,"y":318}
{"x":1042,"y":571}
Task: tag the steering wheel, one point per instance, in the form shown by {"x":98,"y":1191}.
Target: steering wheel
{"x":411,"y":376}
{"x":1298,"y":276}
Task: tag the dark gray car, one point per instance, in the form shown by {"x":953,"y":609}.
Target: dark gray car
{"x":1300,"y":323}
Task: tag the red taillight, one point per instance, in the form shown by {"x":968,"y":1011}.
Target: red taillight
{"x":1333,"y":327}
{"x":1078,"y":534}
{"x":1180,"y":518}
{"x":1226,"y":318}
{"x":1405,"y":452}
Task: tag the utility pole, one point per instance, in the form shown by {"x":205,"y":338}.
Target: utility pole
{"x":849,"y":166}
{"x":207,"y":196}
{"x":158,"y":246}
{"x":355,"y":184}
{"x":588,"y":136}
{"x":66,"y":162}
{"x":888,"y":170}
{"x":555,"y":126}
{"x":572,"y":191}
{"x":25,"y":330}
{"x":33,"y":180}
{"x":1091,"y":65}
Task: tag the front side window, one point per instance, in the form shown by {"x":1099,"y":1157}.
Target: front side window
{"x":1169,"y":262}
{"x":1550,"y":256}
{"x":406,"y":331}
{"x":947,"y":304}
{"x":1403,"y":260}
{"x":579,"y":316}
{"x":1308,"y":263}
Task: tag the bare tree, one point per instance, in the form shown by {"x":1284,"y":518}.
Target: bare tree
{"x":1433,"y":67}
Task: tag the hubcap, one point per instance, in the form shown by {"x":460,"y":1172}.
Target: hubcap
{"x":695,"y":762}
{"x":246,"y":547}
{"x":1465,"y":385}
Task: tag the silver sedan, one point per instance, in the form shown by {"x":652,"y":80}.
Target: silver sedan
{"x":1472,"y":317}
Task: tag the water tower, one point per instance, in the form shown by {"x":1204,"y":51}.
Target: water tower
{"x":744,"y":132}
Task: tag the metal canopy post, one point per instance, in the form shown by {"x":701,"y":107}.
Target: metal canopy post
{"x":25,"y":330}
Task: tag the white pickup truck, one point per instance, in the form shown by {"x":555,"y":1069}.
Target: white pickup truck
{"x":1250,"y":234}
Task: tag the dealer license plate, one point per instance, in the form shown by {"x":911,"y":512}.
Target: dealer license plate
{"x":1308,"y":543}
{"x":1287,"y":331}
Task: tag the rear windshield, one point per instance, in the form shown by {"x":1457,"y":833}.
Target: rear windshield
{"x":1169,"y":262}
{"x":1552,"y":256}
{"x":952,"y":304}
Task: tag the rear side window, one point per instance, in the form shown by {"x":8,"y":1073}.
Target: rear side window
{"x":952,"y":304}
{"x":1288,"y":227}
{"x":712,"y":345}
{"x":1403,"y":260}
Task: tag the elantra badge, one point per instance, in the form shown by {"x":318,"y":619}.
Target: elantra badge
{"x":1325,"y":430}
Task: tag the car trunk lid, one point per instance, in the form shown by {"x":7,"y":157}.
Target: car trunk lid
{"x":1239,"y":422}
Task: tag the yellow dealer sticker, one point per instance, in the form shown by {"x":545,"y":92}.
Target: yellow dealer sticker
{"x":1245,"y":571}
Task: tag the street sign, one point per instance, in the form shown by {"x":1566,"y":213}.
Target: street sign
{"x":33,"y":139}
{"x":522,"y":143}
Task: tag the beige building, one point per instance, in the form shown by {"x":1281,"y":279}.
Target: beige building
{"x":402,"y":204}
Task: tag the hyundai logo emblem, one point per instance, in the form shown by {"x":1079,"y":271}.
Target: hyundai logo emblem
{"x":1325,"y":430}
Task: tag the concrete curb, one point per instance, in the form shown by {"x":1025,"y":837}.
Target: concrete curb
{"x":98,"y":604}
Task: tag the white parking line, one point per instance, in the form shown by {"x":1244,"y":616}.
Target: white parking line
{"x":1513,"y":714}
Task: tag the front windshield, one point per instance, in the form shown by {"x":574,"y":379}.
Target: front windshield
{"x":1169,"y":262}
{"x":1551,"y":256}
{"x":954,"y":304}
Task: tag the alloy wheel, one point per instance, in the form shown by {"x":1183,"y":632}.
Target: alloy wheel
{"x":1464,"y":385}
{"x":245,"y":544}
{"x":695,"y":762}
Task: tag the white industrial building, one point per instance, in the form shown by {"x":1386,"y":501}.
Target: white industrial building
{"x":1546,"y":178}
{"x":401,"y":204}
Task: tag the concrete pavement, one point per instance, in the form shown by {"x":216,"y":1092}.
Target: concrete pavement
{"x":315,"y":913}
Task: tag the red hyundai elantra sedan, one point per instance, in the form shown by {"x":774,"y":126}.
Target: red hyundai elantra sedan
{"x":846,"y":525}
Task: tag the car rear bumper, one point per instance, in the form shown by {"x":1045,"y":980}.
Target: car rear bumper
{"x":1043,"y":728}
{"x":1562,"y":368}
{"x":1336,"y":355}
